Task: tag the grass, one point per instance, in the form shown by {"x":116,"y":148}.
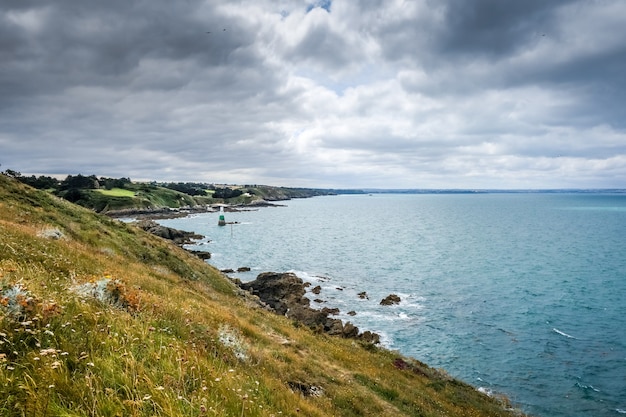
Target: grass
{"x":117,"y":192}
{"x":98,"y":318}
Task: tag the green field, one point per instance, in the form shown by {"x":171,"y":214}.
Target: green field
{"x":117,"y":192}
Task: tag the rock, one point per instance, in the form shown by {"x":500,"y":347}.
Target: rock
{"x":352,"y":313}
{"x":54,"y":234}
{"x":227,"y":271}
{"x":284,"y":294}
{"x":319,"y":300}
{"x":200,"y":254}
{"x":312,"y":318}
{"x":243,"y":269}
{"x":332,"y":311}
{"x":180,"y":237}
{"x":334,"y":327}
{"x":390,"y":300}
{"x":278,"y":290}
{"x":363,"y":295}
{"x":350,"y":331}
{"x":307,"y":390}
{"x":316,"y":290}
{"x":370,"y":337}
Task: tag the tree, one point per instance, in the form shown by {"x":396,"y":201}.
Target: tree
{"x":80,"y":182}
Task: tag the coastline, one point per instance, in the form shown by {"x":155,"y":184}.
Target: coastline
{"x":162,"y":213}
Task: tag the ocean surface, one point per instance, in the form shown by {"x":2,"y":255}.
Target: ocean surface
{"x":519,"y":294}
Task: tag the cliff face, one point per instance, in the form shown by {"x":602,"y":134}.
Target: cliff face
{"x":98,"y":317}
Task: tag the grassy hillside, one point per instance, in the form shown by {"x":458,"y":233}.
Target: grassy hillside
{"x":98,"y":318}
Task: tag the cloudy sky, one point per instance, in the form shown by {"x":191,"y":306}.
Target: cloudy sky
{"x":343,"y":93}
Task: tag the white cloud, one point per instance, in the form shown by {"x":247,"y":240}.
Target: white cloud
{"x":346,"y":94}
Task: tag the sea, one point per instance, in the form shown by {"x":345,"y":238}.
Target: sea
{"x":520,"y":294}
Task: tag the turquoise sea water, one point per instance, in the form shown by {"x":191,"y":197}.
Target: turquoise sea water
{"x":521,"y":294}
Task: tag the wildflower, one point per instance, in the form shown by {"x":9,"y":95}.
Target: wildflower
{"x":55,"y":365}
{"x":147,"y":397}
{"x":90,"y":364}
{"x":49,"y":332}
{"x":160,"y":388}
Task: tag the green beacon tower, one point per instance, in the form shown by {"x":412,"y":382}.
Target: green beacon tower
{"x":221,"y":221}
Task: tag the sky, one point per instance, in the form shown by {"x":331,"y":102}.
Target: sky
{"x":473,"y":94}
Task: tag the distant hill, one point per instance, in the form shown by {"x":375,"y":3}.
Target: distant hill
{"x":99,"y":318}
{"x":113,"y":194}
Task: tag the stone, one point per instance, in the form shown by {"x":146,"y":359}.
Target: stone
{"x":350,"y":331}
{"x":284,"y":294}
{"x":278,"y":290}
{"x":391,"y":299}
{"x":316,"y":290}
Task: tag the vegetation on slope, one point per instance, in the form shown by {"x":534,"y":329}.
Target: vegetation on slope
{"x":98,"y":318}
{"x":113,"y":194}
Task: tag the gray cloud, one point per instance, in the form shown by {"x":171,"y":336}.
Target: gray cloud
{"x":471,"y":94}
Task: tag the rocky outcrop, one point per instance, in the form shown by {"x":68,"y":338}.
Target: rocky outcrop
{"x":284,"y":294}
{"x":180,"y":237}
{"x":390,"y":300}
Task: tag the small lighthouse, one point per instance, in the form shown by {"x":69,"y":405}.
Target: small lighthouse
{"x":221,"y":221}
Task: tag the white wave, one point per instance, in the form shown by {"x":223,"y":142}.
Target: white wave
{"x":485,"y":391}
{"x":554,"y":329}
{"x":620,"y":411}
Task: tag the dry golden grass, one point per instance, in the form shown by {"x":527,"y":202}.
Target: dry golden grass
{"x":98,"y":318}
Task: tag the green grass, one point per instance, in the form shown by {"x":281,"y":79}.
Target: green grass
{"x":117,"y":192}
{"x":165,"y":334}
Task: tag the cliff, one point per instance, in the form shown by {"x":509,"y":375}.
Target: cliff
{"x":99,"y":317}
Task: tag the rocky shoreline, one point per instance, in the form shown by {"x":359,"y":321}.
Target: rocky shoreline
{"x":172,"y":213}
{"x":283,"y":293}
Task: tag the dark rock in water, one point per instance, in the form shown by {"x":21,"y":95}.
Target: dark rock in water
{"x":390,"y":300}
{"x":278,"y":290}
{"x":200,"y":254}
{"x":370,"y":337}
{"x":316,"y":290}
{"x":352,"y":313}
{"x":243,"y":269}
{"x":318,"y":300}
{"x":350,"y":331}
{"x":180,"y":237}
{"x":284,"y":293}
{"x":363,"y":295}
{"x":227,"y":271}
{"x":334,"y":327}
{"x":339,"y":289}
